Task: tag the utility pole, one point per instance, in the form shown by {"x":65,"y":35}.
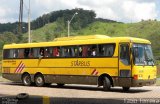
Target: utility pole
{"x":20,"y":18}
{"x":29,"y":24}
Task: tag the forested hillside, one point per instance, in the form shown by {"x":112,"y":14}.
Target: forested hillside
{"x":144,"y":29}
{"x":54,"y":24}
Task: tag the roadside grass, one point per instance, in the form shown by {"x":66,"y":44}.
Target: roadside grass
{"x":158,"y":82}
{"x":158,"y":71}
{"x":0,"y":69}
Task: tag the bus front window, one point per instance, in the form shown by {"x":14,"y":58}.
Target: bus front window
{"x":142,"y":54}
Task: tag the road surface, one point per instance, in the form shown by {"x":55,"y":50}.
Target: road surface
{"x":82,"y":93}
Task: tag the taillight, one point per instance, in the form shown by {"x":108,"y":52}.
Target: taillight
{"x":135,"y":77}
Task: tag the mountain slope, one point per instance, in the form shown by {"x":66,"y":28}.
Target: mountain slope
{"x":145,"y":29}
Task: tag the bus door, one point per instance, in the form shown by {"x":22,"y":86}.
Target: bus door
{"x":124,"y":65}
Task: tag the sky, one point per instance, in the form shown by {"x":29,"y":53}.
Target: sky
{"x":119,"y":10}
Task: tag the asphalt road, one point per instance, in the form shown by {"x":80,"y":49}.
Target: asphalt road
{"x":77,"y":94}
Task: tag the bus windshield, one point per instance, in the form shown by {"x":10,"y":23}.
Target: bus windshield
{"x":142,"y":54}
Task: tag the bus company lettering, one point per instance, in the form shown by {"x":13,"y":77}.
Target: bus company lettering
{"x":80,"y":63}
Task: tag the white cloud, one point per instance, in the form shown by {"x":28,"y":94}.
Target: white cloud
{"x":120,"y":10}
{"x":6,"y":15}
{"x":2,"y":12}
{"x":103,"y":8}
{"x":135,"y":11}
{"x":106,"y":13}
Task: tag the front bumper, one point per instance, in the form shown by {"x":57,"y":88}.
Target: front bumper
{"x":130,"y":82}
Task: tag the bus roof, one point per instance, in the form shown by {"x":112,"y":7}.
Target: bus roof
{"x":79,"y":40}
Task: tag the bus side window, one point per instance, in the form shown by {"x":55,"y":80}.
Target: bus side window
{"x":80,"y":51}
{"x":76,"y":52}
{"x":11,"y":53}
{"x":66,"y":52}
{"x":50,"y":52}
{"x":21,"y":53}
{"x":41,"y":52}
{"x":84,"y":51}
{"x":94,"y":50}
{"x":35,"y":52}
{"x":56,"y":52}
{"x":26,"y":52}
{"x":15,"y":53}
{"x":101,"y":50}
{"x":31,"y":53}
{"x":73,"y":51}
{"x":6,"y":54}
{"x":106,"y":50}
{"x":109,"y":50}
{"x":46,"y":52}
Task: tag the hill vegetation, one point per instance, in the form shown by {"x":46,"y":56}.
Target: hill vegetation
{"x":146,"y":29}
{"x":54,"y":24}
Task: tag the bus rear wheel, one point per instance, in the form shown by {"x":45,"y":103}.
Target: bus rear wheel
{"x":39,"y":80}
{"x":126,"y":88}
{"x":106,"y":84}
{"x":26,"y":79}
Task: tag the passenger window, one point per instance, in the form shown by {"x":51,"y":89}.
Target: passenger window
{"x":21,"y":53}
{"x":35,"y":52}
{"x":106,"y":50}
{"x":69,"y":51}
{"x":56,"y":52}
{"x":26,"y":52}
{"x":15,"y":53}
{"x":73,"y":51}
{"x":41,"y":52}
{"x":88,"y":51}
{"x":6,"y":54}
{"x":93,"y":51}
{"x":124,"y":54}
{"x":47,"y":52}
{"x":80,"y":51}
{"x":30,"y":53}
{"x":84,"y":51}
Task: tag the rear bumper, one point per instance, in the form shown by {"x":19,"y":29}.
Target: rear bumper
{"x":12,"y":77}
{"x":130,"y":82}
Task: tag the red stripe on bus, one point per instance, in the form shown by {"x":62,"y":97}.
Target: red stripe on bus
{"x":93,"y":71}
{"x":22,"y":68}
{"x":96,"y":73}
{"x":18,"y":67}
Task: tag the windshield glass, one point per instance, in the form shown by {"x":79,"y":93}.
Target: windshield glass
{"x":142,"y":54}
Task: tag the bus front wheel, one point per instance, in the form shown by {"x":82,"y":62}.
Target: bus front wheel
{"x":39,"y":80}
{"x":26,"y":79}
{"x":106,"y":84}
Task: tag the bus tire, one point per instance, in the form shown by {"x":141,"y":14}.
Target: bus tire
{"x":126,"y":88}
{"x":39,"y":80}
{"x":106,"y":84}
{"x":60,"y":84}
{"x":26,"y":79}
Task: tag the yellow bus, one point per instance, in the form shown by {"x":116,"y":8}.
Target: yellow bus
{"x":93,"y":60}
